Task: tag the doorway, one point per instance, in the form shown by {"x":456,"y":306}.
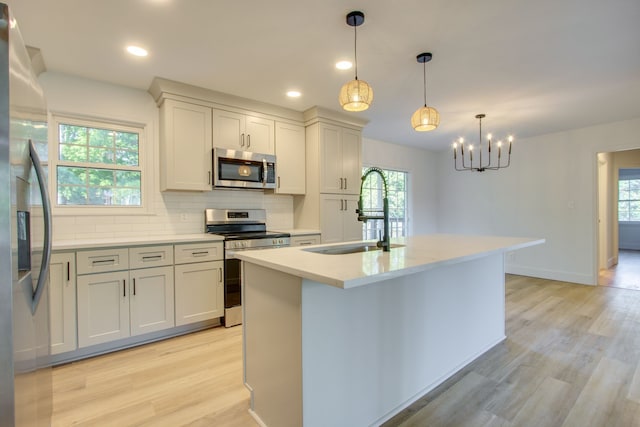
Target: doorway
{"x":619,"y":219}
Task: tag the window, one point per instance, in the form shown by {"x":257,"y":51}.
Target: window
{"x":628,"y":199}
{"x":372,"y":195}
{"x":97,"y":164}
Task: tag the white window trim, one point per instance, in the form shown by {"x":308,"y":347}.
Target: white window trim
{"x":145,"y":155}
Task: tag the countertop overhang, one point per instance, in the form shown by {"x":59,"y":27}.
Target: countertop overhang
{"x":357,"y":269}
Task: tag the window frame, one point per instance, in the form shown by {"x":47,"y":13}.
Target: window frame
{"x":407,"y":202}
{"x":144,"y":154}
{"x":625,"y":221}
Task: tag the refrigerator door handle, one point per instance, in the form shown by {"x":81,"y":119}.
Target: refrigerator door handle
{"x":46,"y":210}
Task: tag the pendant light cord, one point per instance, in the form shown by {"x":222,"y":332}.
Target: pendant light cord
{"x":355,"y":47}
{"x":424,"y":74}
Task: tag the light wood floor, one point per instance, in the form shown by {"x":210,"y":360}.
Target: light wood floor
{"x":571,"y":359}
{"x":193,"y":380}
{"x":625,"y":274}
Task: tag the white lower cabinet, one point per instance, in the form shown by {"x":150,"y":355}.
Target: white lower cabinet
{"x":199,"y":291}
{"x":305,"y":240}
{"x":338,"y":218}
{"x":103,"y":307}
{"x":62,"y":302}
{"x":119,"y":304}
{"x":151,"y":300}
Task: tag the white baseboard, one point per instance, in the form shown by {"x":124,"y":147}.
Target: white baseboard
{"x":562,"y":276}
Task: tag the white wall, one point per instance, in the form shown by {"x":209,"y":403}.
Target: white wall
{"x":170,"y":212}
{"x":421,"y":165}
{"x":549,"y":191}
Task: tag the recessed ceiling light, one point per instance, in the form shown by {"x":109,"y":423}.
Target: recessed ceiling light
{"x":293,"y":94}
{"x":137,"y":51}
{"x":344,"y":65}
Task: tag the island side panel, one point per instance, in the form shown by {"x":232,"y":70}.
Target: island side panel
{"x":272,"y":345}
{"x":370,"y":351}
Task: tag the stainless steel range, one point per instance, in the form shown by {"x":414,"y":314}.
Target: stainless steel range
{"x":243,"y":229}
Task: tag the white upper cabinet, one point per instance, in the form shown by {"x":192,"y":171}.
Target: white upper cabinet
{"x":339,"y":159}
{"x":290,"y":155}
{"x":243,"y":132}
{"x":185,"y":146}
{"x":195,"y":120}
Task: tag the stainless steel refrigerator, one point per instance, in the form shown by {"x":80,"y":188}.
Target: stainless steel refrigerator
{"x":25,"y":238}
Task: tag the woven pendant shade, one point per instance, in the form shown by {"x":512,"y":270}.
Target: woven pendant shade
{"x":425,"y":119}
{"x":356,"y":95}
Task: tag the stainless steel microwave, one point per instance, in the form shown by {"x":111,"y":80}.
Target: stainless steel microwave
{"x":243,"y":169}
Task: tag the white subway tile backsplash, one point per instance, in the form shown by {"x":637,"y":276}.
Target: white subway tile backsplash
{"x":166,"y":216}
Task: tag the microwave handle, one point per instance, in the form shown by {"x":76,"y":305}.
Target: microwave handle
{"x":265,"y":170}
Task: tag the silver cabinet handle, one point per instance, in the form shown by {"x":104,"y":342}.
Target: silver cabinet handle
{"x":68,"y":272}
{"x":151,"y":258}
{"x":248,"y":140}
{"x":242,"y":142}
{"x":124,"y":288}
{"x":103,"y":261}
{"x":220,"y":275}
{"x":46,"y":213}
{"x":201,"y":253}
{"x":304,"y":243}
{"x":278,"y":182}
{"x":134,"y":286}
{"x":345,"y":183}
{"x":341,"y":183}
{"x":209,"y":179}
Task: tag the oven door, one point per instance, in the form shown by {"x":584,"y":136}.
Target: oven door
{"x":243,"y":169}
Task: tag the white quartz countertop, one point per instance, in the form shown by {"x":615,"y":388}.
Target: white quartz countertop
{"x":62,"y":245}
{"x":357,"y":269}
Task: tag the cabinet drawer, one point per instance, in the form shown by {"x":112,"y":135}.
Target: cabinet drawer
{"x":313,"y":239}
{"x":197,"y":252}
{"x":101,"y":261}
{"x":150,"y":256}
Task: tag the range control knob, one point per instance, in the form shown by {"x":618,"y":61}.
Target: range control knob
{"x":244,"y":244}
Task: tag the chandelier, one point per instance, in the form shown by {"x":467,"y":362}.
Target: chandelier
{"x":491,"y":161}
{"x":355,"y":95}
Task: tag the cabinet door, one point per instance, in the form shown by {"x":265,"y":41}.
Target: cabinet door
{"x":198,"y":292}
{"x":351,"y":227}
{"x":290,"y":154}
{"x":62,"y":302}
{"x":332,"y":209}
{"x":229,"y":130}
{"x":185,"y":154}
{"x":260,"y":135}
{"x":103,"y":307}
{"x":351,"y":160}
{"x":331,"y":178}
{"x":151,"y":299}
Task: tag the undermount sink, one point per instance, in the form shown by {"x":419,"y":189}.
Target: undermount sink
{"x":351,"y":248}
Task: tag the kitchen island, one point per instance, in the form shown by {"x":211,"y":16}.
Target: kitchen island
{"x":333,"y":338}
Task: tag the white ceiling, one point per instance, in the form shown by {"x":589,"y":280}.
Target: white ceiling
{"x":532,"y":66}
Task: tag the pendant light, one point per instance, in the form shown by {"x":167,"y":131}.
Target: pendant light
{"x":425,"y":118}
{"x":355,"y":95}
